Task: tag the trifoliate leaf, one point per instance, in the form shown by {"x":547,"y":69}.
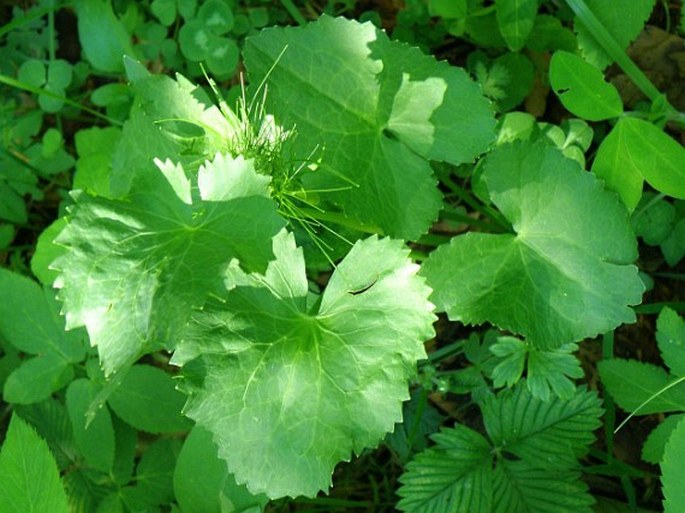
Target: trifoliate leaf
{"x":535,"y":445}
{"x":551,"y":434}
{"x":136,"y":266}
{"x":28,"y":473}
{"x":623,"y":19}
{"x":547,"y":281}
{"x":283,"y":385}
{"x":631,"y":383}
{"x":673,"y":471}
{"x":454,"y":476}
{"x":377,"y":110}
{"x":670,"y":335}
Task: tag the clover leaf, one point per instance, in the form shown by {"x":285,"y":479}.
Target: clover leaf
{"x":547,"y":281}
{"x":283,"y":380}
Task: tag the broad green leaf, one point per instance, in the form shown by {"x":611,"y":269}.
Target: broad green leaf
{"x":29,"y":478}
{"x":35,"y":379}
{"x":148,"y":400}
{"x":376,"y":110}
{"x":647,"y":150}
{"x":623,"y":19}
{"x":515,"y":19}
{"x":548,"y":434}
{"x":47,"y":252}
{"x":655,"y":444}
{"x":102,"y":35}
{"x":288,"y":386}
{"x":582,"y":89}
{"x":455,"y":475}
{"x":95,"y":440}
{"x":673,"y":471}
{"x":631,"y":383}
{"x":571,"y":238}
{"x":620,"y":169}
{"x":549,"y":34}
{"x":136,"y":266}
{"x":202,"y":482}
{"x":670,"y":335}
{"x":520,"y":487}
{"x":30,"y":320}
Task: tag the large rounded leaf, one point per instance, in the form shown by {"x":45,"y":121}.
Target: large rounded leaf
{"x":284,"y":386}
{"x":564,"y":274}
{"x":135,"y":266}
{"x":378,"y":110}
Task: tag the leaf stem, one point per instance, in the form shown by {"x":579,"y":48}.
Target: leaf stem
{"x":617,"y":54}
{"x":610,"y":407}
{"x":31,"y":15}
{"x":341,"y":219}
{"x":655,"y":308}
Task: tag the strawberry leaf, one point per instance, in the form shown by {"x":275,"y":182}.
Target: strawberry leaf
{"x":282,"y":383}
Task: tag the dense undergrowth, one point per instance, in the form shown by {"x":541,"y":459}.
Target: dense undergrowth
{"x":421,"y":256}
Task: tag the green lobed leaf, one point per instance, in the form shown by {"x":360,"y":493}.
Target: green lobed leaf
{"x":673,"y":471}
{"x":29,"y":478}
{"x":582,"y":89}
{"x":548,"y":434}
{"x":515,"y":19}
{"x":623,"y":19}
{"x":161,"y":104}
{"x":202,"y":482}
{"x":455,"y":475}
{"x":154,"y":476}
{"x":136,"y":266}
{"x":284,"y":385}
{"x":376,"y":110}
{"x":148,"y":400}
{"x":547,"y":280}
{"x":551,"y":371}
{"x":631,"y":383}
{"x":513,"y":353}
